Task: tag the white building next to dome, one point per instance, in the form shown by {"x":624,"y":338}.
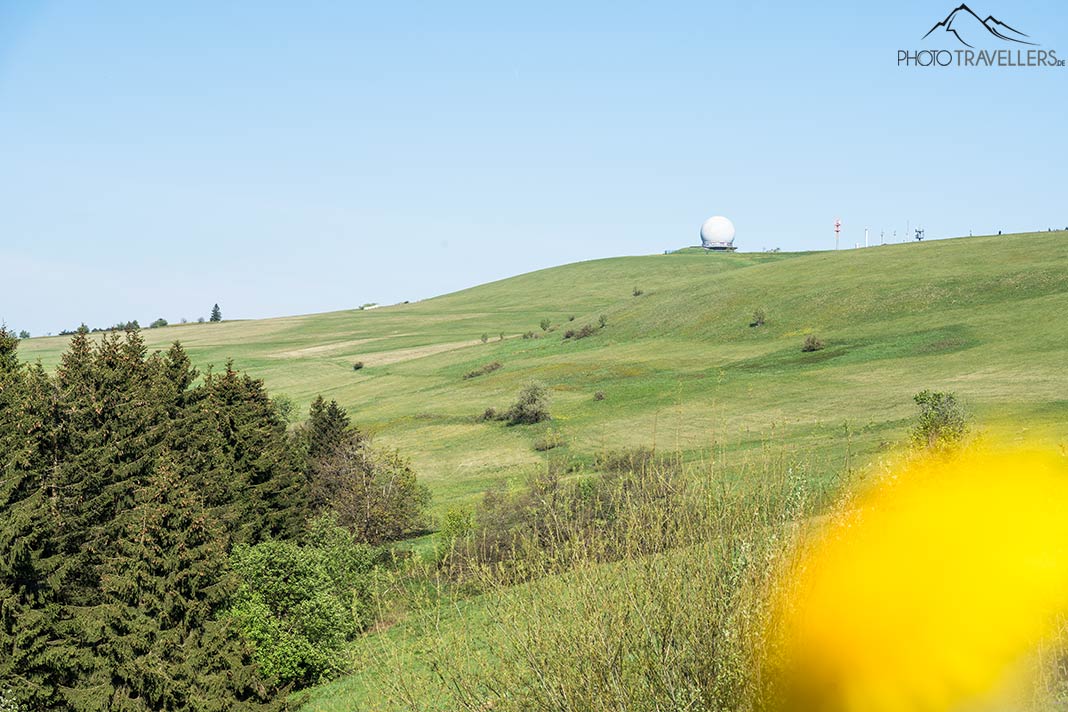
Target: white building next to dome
{"x":717,"y":233}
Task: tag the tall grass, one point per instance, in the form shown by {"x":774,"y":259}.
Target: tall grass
{"x":658,"y":606}
{"x":663,"y":605}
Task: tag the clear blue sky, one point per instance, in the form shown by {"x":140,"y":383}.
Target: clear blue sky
{"x":291,"y":157}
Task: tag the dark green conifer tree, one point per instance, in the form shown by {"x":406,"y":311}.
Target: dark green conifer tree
{"x":270,"y":493}
{"x":326,"y":429}
{"x":27,"y":622}
{"x":113,"y":554}
{"x":165,"y":584}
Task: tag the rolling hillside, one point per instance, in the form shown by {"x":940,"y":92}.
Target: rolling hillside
{"x":679,"y":364}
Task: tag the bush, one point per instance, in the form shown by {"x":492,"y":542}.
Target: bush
{"x":637,"y":292}
{"x":549,"y":441}
{"x":587,"y":330}
{"x":630,"y":460}
{"x":485,"y":338}
{"x":812,"y":343}
{"x":942,"y":422}
{"x":531,"y":407}
{"x":571,"y":318}
{"x":357,"y":366}
{"x":158,"y":323}
{"x":456,"y":525}
{"x":489,"y":414}
{"x":285,"y":406}
{"x":483,"y":370}
{"x":299,"y":603}
{"x":373,"y":492}
{"x":545,"y":324}
{"x":530,"y":335}
{"x":602,"y":321}
{"x":598,"y":396}
{"x":758,"y":318}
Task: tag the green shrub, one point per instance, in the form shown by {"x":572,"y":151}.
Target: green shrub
{"x":299,"y":603}
{"x":285,"y":406}
{"x":532,"y":406}
{"x":812,"y":343}
{"x":627,"y":460}
{"x":942,"y":421}
{"x":373,"y":492}
{"x":489,"y":414}
{"x":549,"y":441}
{"x":602,"y":321}
{"x":586,"y":330}
{"x":357,"y":365}
{"x":637,"y":292}
{"x":759,"y":317}
{"x":485,"y":338}
{"x":483,"y":370}
{"x":545,"y":324}
{"x":598,"y":396}
{"x":158,"y":323}
{"x":571,"y":318}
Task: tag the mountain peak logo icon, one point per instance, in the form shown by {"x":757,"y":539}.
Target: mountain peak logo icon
{"x":965,"y":25}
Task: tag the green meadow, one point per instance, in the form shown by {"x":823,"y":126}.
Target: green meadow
{"x":679,"y":366}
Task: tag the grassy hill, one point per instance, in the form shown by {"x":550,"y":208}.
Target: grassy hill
{"x":679,"y":365}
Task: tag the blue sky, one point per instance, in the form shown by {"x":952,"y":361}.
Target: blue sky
{"x":283,"y":158}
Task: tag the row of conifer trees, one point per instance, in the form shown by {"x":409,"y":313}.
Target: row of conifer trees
{"x":126,"y":479}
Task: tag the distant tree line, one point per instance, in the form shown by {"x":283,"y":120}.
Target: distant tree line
{"x":216,"y":316}
{"x":141,"y":503}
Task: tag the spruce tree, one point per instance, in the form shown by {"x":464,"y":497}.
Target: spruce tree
{"x":216,"y":313}
{"x":166,"y":585}
{"x":326,"y":429}
{"x":268,"y":491}
{"x":122,"y":483}
{"x":28,"y":667}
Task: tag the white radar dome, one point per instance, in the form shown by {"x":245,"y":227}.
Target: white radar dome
{"x":717,"y":231}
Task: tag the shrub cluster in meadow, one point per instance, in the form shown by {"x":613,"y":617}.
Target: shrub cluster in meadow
{"x":531,"y":406}
{"x":483,"y":370}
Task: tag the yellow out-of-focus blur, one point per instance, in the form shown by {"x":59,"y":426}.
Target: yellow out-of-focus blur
{"x":930,"y":591}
